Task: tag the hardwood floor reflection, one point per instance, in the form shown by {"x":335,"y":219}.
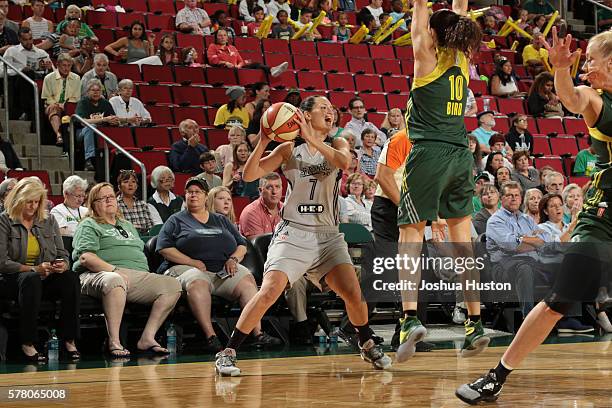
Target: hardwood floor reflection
{"x":567,"y":375}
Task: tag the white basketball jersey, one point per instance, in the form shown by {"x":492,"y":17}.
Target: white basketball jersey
{"x":314,"y":185}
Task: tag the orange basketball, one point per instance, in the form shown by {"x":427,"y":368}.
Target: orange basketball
{"x":279,"y":122}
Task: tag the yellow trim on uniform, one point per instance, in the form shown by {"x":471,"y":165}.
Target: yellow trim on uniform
{"x":446,"y":60}
{"x":597,"y":134}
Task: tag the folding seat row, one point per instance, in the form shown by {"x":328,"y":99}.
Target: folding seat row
{"x":565,"y":146}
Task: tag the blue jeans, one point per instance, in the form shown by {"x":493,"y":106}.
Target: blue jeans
{"x":87,"y":136}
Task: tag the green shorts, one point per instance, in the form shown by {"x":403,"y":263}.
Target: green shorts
{"x":595,"y":219}
{"x":438,"y":182}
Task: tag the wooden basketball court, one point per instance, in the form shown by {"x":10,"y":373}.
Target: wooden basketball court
{"x":557,"y":375}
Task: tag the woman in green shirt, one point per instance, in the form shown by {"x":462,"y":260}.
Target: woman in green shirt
{"x":108,"y":254}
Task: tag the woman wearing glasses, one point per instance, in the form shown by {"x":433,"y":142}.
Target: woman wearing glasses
{"x":203,"y":251}
{"x":34,"y":265}
{"x":519,"y":137}
{"x":133,"y":209}
{"x":71,"y":211}
{"x":108,"y":254}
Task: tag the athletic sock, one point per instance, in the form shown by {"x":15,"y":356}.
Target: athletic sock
{"x":501,"y":372}
{"x":474,"y":318}
{"x":410,"y":313}
{"x":236,"y":339}
{"x":364,"y":332}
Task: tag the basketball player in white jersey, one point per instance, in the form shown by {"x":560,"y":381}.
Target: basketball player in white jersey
{"x":307,"y":240}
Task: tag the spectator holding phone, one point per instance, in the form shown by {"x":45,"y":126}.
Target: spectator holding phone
{"x":203,"y":250}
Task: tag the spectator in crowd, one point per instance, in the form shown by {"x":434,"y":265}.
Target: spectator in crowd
{"x":136,"y":45}
{"x":497,"y":144}
{"x":4,"y":8}
{"x":275,"y":6}
{"x":164,"y":202}
{"x":69,"y":40}
{"x":503,"y":81}
{"x":531,"y":203}
{"x":554,"y":182}
{"x":208,"y":164}
{"x":219,"y":21}
{"x":573,"y":198}
{"x":528,"y":177}
{"x":523,"y":20}
{"x":489,"y":198}
{"x":219,"y":201}
{"x":519,"y":137}
{"x":253,"y":26}
{"x":490,"y":25}
{"x":59,"y":87}
{"x":369,"y":190}
{"x":353,"y":168}
{"x":544,"y":171}
{"x":73,"y":12}
{"x":542,"y":100}
{"x":534,"y":55}
{"x":34,"y":265}
{"x":134,"y":210}
{"x":5,"y":187}
{"x":476,"y":153}
{"x":167,"y":52}
{"x":203,"y":251}
{"x":494,"y":161}
{"x":189,"y":57}
{"x":109,"y":255}
{"x":192,"y":19}
{"x":394,"y":121}
{"x":336,"y":130}
{"x":358,"y":123}
{"x":101,"y":72}
{"x":283,"y":30}
{"x":232,"y":173}
{"x":479,"y":182}
{"x":245,"y":9}
{"x":471,"y":108}
{"x":8,"y":37}
{"x":539,"y":21}
{"x":8,"y":157}
{"x":585,"y":161}
{"x":255,"y":122}
{"x":604,"y":16}
{"x":71,"y":211}
{"x":358,"y":209}
{"x":96,"y":111}
{"x":37,"y":23}
{"x":261,"y":216}
{"x":235,"y":136}
{"x":261,"y":92}
{"x":342,"y":31}
{"x":185,"y":153}
{"x":486,"y":123}
{"x":305,"y":19}
{"x":375,"y":8}
{"x":369,"y":152}
{"x":293,"y":97}
{"x":351,"y":140}
{"x":222,"y":54}
{"x":234,"y":112}
{"x":554,"y":228}
{"x":128,"y":109}
{"x":83,"y":62}
{"x":31,"y":61}
{"x":398,"y":12}
{"x":512,"y":242}
{"x":502,"y":175}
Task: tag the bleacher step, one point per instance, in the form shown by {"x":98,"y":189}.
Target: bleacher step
{"x":57,"y":164}
{"x":24,"y":138}
{"x":49,"y":151}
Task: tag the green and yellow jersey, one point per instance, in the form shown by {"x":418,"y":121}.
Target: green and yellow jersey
{"x":437,"y":101}
{"x":601,"y":138}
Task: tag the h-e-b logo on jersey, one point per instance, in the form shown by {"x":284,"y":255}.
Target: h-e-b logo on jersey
{"x":310,"y":208}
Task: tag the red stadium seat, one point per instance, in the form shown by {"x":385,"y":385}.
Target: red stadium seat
{"x":150,"y":159}
{"x":188,"y":95}
{"x":404,"y":53}
{"x":395,"y":84}
{"x":377,"y":101}
{"x":98,"y":19}
{"x":552,"y":161}
{"x":275,"y":45}
{"x":341,"y":81}
{"x":356,"y":50}
{"x":306,"y":63}
{"x":483,"y":57}
{"x":311,"y":80}
{"x":248,"y":77}
{"x":471,"y":123}
{"x":134,"y":5}
{"x":239,"y":204}
{"x":299,"y":47}
{"x":541,"y":146}
{"x":285,"y":80}
{"x":334,"y":64}
{"x":492,"y":101}
{"x":157,"y":73}
{"x":387,"y":67}
{"x":120,"y":135}
{"x":212,"y":8}
{"x":563,"y":146}
{"x":125,"y":20}
{"x":197,"y":113}
{"x":372,"y":83}
{"x":218,"y":76}
{"x":398,"y":100}
{"x":550,"y":125}
{"x":211,"y":113}
{"x":486,"y":69}
{"x":216,"y":138}
{"x":154,"y":94}
{"x":248,"y":44}
{"x":272,"y":59}
{"x":43,"y":175}
{"x":161,"y":6}
{"x":329,"y":49}
{"x":161,"y":115}
{"x":126,"y":71}
{"x":190,"y":40}
{"x":511,"y":105}
{"x":580,"y":180}
{"x":160,"y":22}
{"x":583,"y":142}
{"x":501,"y":124}
{"x":105,"y":36}
{"x":479,"y":87}
{"x":361,"y":66}
{"x":154,"y":136}
{"x":407,"y":68}
{"x":382,"y":52}
{"x":179,"y":183}
{"x":376,"y":118}
{"x":188,"y":75}
{"x":252,"y":56}
{"x":340,"y":99}
{"x":574,"y":126}
{"x":532,"y":126}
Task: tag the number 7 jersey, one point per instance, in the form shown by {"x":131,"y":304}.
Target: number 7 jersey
{"x":437,"y":101}
{"x":314,"y":185}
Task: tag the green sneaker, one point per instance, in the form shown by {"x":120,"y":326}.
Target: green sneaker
{"x":411,"y":332}
{"x":475,"y":339}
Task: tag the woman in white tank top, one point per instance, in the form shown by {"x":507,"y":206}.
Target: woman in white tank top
{"x":37,"y":23}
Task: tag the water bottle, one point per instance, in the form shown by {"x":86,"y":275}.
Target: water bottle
{"x":485,"y":103}
{"x":333,"y":335}
{"x":171,"y":339}
{"x":53,"y":347}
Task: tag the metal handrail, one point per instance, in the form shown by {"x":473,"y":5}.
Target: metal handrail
{"x":76,"y":118}
{"x":36,"y":103}
{"x":597,"y":4}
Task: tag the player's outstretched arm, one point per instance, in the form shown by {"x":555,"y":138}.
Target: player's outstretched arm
{"x":460,"y":7}
{"x":256,"y":167}
{"x":421,"y":38}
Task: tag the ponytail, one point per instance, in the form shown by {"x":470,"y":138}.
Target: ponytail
{"x":456,"y":32}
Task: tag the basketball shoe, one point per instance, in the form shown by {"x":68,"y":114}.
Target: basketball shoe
{"x":484,"y":389}
{"x":225,"y":363}
{"x":411,"y":332}
{"x":475,"y":339}
{"x":372,"y":353}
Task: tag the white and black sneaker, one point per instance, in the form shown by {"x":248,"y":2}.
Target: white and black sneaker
{"x":484,"y":389}
{"x":279,"y":69}
{"x":225,"y":363}
{"x":372,"y":353}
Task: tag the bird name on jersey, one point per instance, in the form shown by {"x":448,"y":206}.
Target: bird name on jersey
{"x":310,"y":208}
{"x":316,"y":169}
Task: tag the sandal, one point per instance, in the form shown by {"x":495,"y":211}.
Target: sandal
{"x":59,"y":141}
{"x":70,"y":355}
{"x":36,"y":358}
{"x":151,"y":351}
{"x":112,"y":352}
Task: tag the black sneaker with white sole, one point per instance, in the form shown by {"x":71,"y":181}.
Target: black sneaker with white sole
{"x":484,"y":389}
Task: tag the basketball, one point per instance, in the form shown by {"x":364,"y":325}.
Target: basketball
{"x":279,"y":122}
